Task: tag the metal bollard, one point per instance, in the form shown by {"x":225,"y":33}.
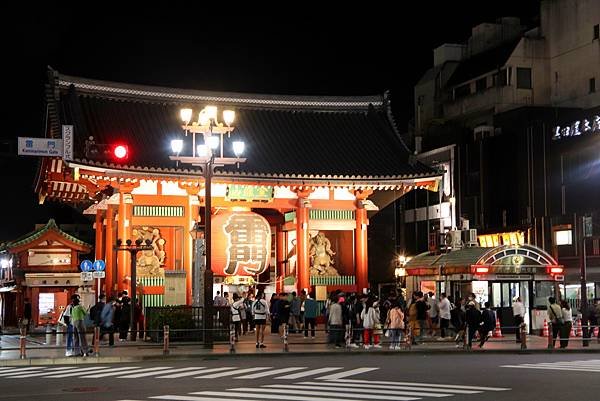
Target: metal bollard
{"x":59,"y":334}
{"x":408,"y":336}
{"x":285,"y":338}
{"x":48,"y":334}
{"x":166,"y":340}
{"x":22,"y":348}
{"x":550,"y":339}
{"x":523,"y":329}
{"x":96,"y":341}
{"x":231,"y":338}
{"x":348,"y":336}
{"x":466,"y":338}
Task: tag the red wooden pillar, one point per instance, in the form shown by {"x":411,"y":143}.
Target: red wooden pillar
{"x":281,"y":258}
{"x":122,"y":256}
{"x":99,"y":251}
{"x":302,"y":267}
{"x":109,"y":252}
{"x":361,"y":242}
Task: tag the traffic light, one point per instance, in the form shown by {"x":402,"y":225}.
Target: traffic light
{"x":120,"y":151}
{"x":114,"y":152}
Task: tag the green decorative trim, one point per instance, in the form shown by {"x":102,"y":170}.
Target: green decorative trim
{"x":332,"y":280}
{"x":153,"y":300}
{"x":289,"y":280}
{"x":289,"y":216}
{"x":321,"y":214}
{"x":32,"y":236}
{"x":151,"y":281}
{"x":158,"y":211}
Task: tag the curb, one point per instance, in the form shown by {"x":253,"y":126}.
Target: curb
{"x":126,"y":359}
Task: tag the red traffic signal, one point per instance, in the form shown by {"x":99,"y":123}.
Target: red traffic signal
{"x":120,"y":152}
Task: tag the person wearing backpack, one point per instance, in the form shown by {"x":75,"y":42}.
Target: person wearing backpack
{"x":311,"y":311}
{"x":488,"y":322}
{"x":95,"y":312}
{"x":260,"y":311}
{"x":78,"y":315}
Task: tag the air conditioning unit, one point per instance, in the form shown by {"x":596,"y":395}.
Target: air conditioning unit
{"x":469,"y":237}
{"x":453,"y":240}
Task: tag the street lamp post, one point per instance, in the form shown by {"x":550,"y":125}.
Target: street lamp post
{"x":133,"y":249}
{"x":203,"y":155}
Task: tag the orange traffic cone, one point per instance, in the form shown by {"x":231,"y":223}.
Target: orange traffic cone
{"x":497,"y":330}
{"x":545,"y":332}
{"x":579,"y":332}
{"x":572,"y":334}
{"x":596,"y":331}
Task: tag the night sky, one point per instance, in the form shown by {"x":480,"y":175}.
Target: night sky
{"x":354,"y":49}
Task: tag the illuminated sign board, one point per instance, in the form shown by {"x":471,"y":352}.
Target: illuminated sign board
{"x":249,"y":193}
{"x":241,"y":243}
{"x":579,"y":127}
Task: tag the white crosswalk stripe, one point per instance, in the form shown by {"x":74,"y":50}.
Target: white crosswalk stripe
{"x":592,"y":366}
{"x":197,"y":372}
{"x":336,"y":390}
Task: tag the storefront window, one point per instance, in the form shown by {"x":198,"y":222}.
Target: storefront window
{"x":480,"y":289}
{"x":542,"y":290}
{"x":46,"y":307}
{"x":496,"y":295}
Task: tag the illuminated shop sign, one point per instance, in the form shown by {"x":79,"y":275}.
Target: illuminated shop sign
{"x":241,"y":243}
{"x":579,"y":127}
{"x":249,"y":193}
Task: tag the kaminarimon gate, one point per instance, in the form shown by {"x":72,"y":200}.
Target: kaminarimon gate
{"x":294,"y":215}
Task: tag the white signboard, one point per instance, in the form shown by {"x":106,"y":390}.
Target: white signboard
{"x":67,"y":133}
{"x":40,"y":146}
{"x":98,"y":274}
{"x":87,"y":276}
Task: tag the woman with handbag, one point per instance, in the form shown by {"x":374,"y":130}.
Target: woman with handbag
{"x":371,"y":324}
{"x":395,"y":325}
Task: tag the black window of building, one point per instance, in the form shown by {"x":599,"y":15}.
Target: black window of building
{"x":596,"y":31}
{"x":500,"y":78}
{"x":592,"y":85}
{"x":524,"y":78}
{"x":463,"y":90}
{"x":481,"y":84}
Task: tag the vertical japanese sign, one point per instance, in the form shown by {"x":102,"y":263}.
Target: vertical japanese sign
{"x":67,"y":133}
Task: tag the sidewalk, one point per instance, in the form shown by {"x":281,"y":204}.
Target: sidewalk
{"x":39,"y":353}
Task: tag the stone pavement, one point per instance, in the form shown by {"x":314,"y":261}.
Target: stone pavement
{"x":38,"y":352}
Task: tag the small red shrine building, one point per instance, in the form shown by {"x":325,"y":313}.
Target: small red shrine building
{"x":45,"y":270}
{"x":316,"y":168}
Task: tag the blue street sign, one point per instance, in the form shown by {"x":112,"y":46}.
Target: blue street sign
{"x":99,"y":265}
{"x":86,"y":266}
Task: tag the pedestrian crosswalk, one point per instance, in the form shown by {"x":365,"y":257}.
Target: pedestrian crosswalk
{"x":334,"y":390}
{"x":195,"y":372}
{"x":591,"y":365}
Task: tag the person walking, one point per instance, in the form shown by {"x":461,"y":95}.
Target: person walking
{"x":565,"y":328}
{"x":78,"y":314}
{"x":488,"y":322}
{"x":555,"y":317}
{"x":273,"y":307}
{"x":283,"y":313}
{"x":236,"y":314}
{"x":459,"y":321}
{"x":259,"y":312}
{"x":519,"y":316}
{"x":66,"y":318}
{"x":95,"y":312}
{"x":444,"y":313}
{"x":395,"y":324}
{"x":421,"y":309}
{"x":27,"y":314}
{"x":295,"y":305}
{"x":371,"y":323}
{"x":433,"y":316}
{"x":124,"y":318}
{"x":107,"y":321}
{"x":335,"y":322}
{"x":138,"y":320}
{"x":311,"y":311}
{"x":473,"y":318}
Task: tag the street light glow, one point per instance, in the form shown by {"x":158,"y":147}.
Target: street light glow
{"x":177,"y":145}
{"x":213,"y":141}
{"x":228,"y":117}
{"x":186,"y":115}
{"x":202,"y":150}
{"x":238,"y":148}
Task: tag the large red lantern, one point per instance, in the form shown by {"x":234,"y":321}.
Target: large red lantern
{"x":241,"y":244}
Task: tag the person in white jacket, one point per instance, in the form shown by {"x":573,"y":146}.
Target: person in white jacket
{"x":371,"y":324}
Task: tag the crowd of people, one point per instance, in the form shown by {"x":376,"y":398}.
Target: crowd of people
{"x":111,"y":316}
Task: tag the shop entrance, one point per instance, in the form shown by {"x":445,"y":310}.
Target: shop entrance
{"x":502,"y":295}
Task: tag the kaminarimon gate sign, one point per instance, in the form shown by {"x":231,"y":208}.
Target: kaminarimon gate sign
{"x":294,"y":215}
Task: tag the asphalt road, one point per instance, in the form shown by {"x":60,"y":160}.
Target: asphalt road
{"x":316,"y":378}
